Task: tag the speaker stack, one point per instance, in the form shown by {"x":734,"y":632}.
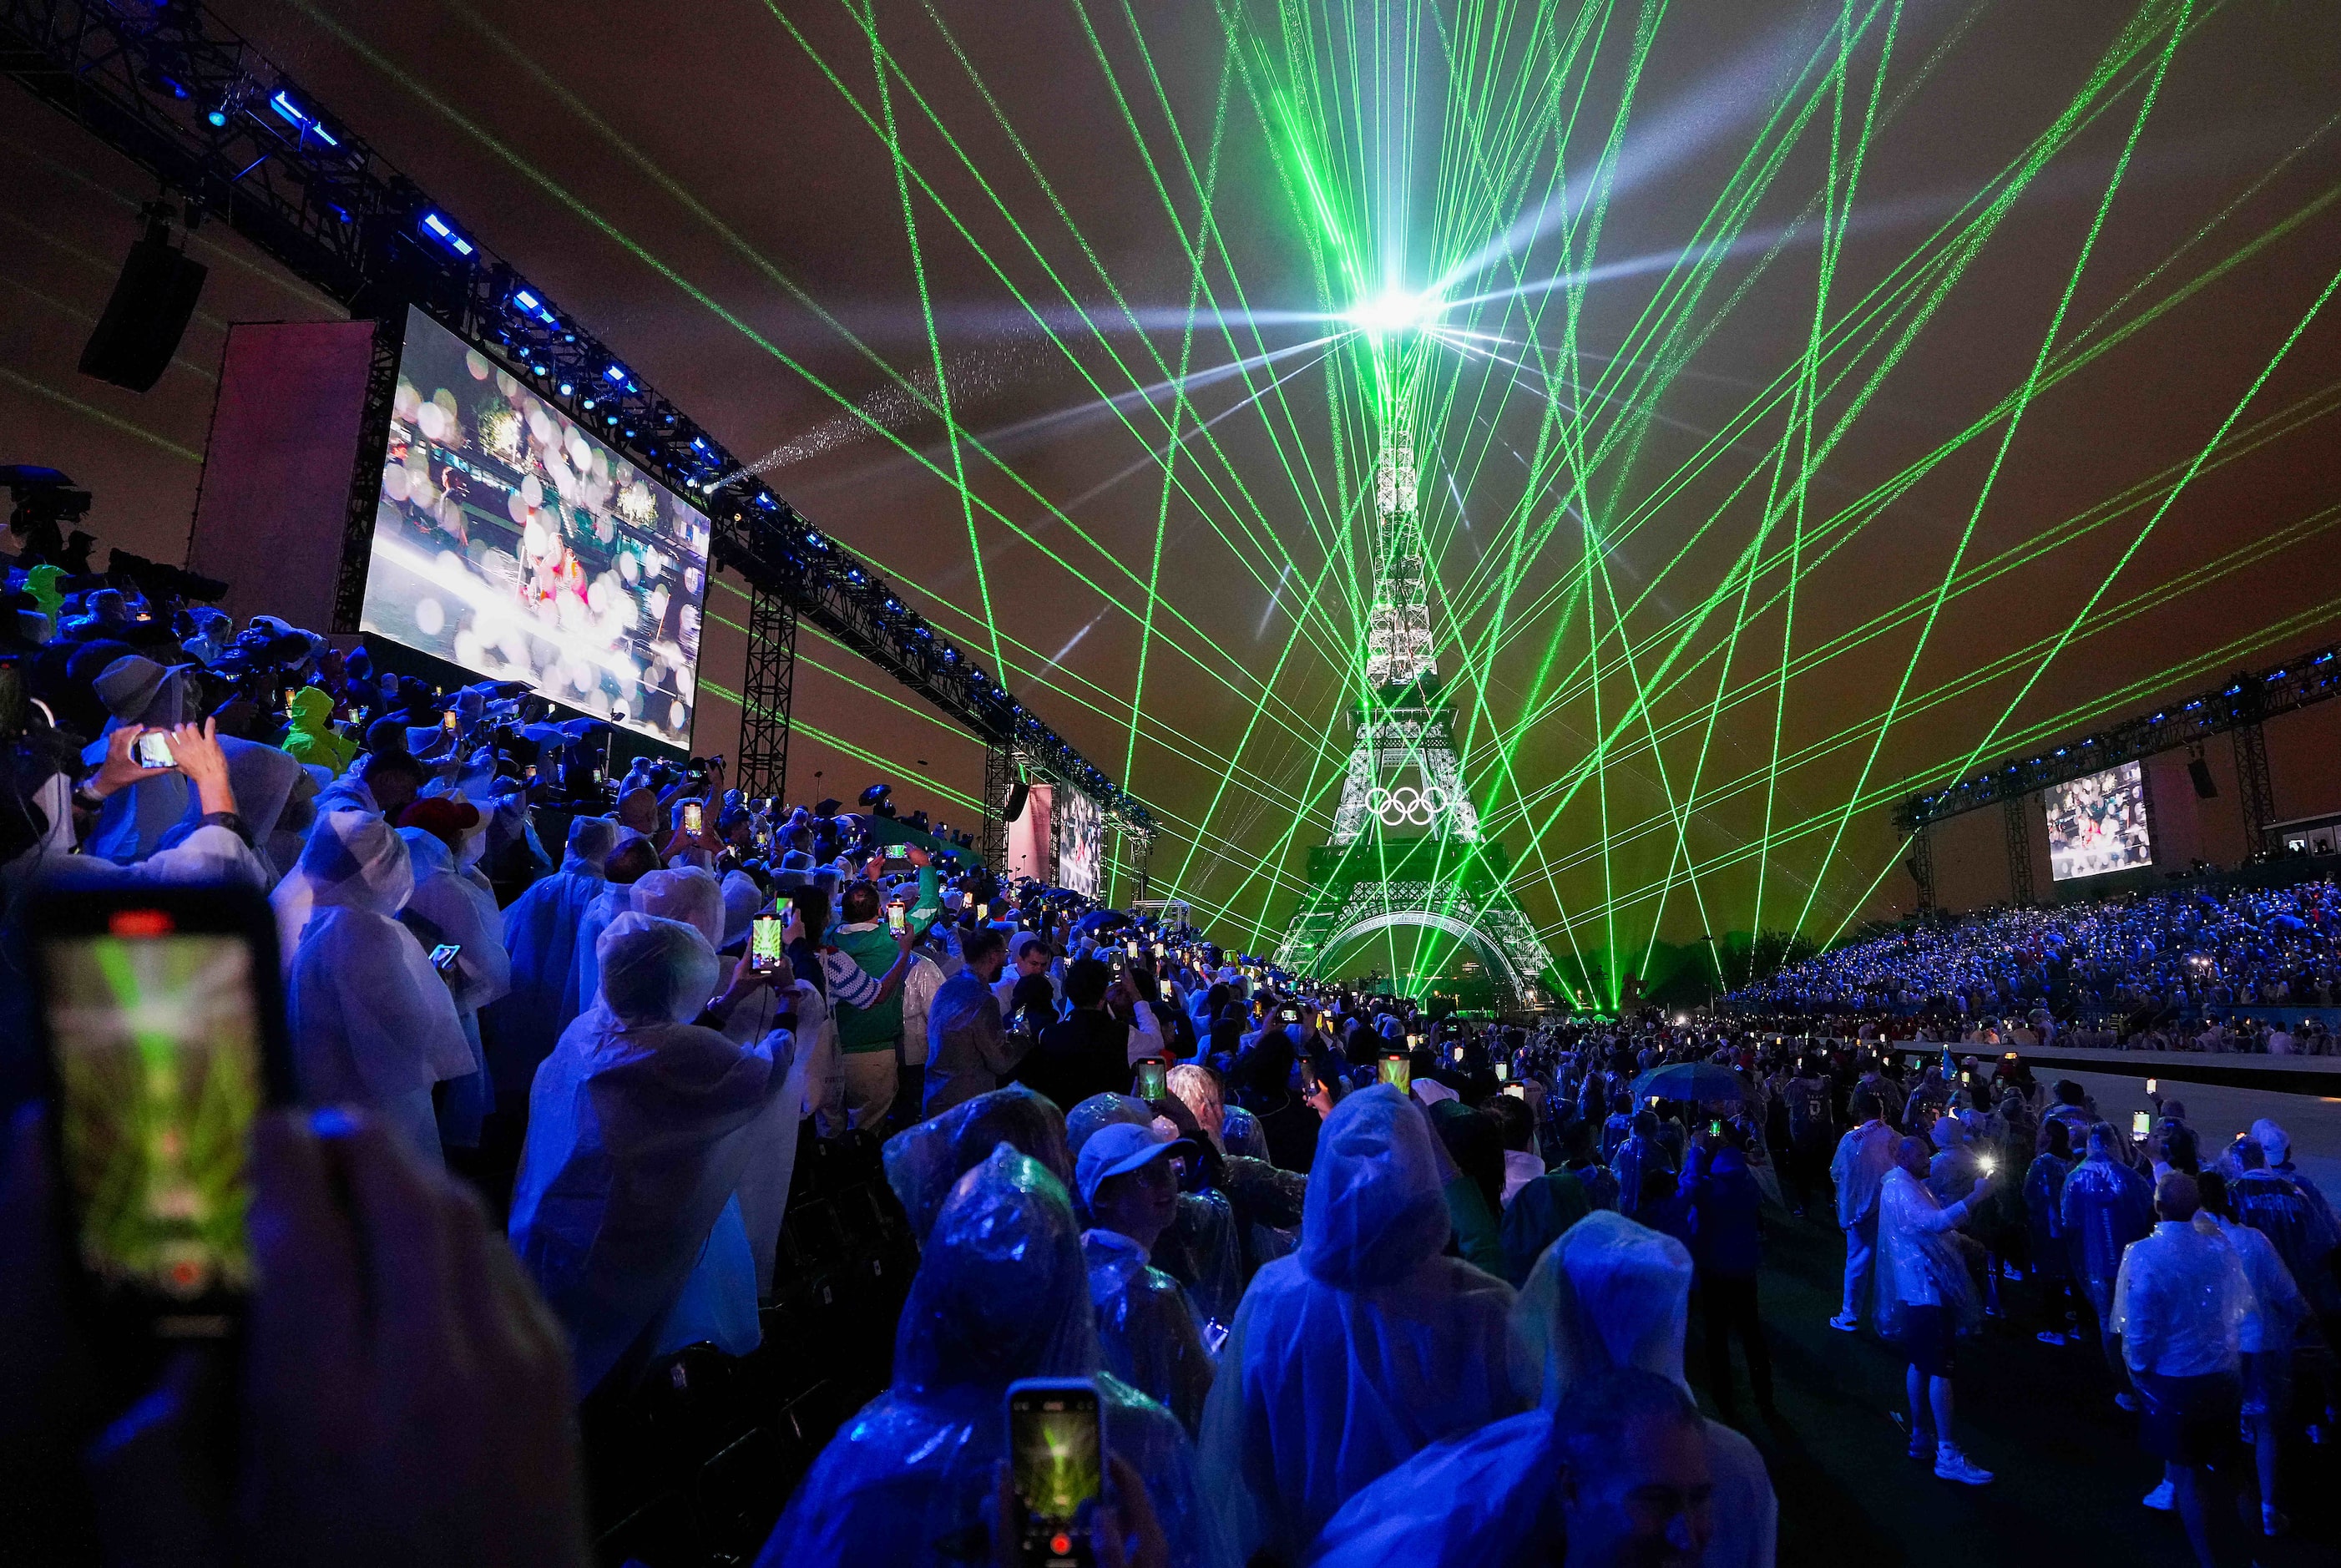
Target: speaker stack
{"x":151,"y":302}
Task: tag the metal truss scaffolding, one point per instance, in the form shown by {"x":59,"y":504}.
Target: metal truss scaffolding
{"x":2017,"y":820}
{"x":766,"y":692}
{"x":2255,"y":790}
{"x":229,"y":134}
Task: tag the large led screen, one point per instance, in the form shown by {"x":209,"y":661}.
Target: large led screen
{"x":1081,"y":843}
{"x":2099,"y":824}
{"x":509,"y":541}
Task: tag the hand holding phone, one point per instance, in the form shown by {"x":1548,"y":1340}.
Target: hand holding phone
{"x":898,"y":919}
{"x":443,"y":957}
{"x":1056,"y":1466}
{"x":1397,"y":1073}
{"x":767,"y":943}
{"x":164,"y":1039}
{"x":694,"y":818}
{"x":1153,"y":1078}
{"x":153,"y":750}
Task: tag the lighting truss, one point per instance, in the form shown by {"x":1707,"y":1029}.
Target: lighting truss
{"x":2239,"y":706}
{"x":177,"y":90}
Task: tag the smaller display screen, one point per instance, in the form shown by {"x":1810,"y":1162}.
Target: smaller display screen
{"x":2099,"y":824}
{"x":158,"y":1049}
{"x":767,"y":941}
{"x":1059,"y":1469}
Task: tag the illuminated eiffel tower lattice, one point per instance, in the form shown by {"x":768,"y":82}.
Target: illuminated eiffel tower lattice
{"x":1405,"y":848}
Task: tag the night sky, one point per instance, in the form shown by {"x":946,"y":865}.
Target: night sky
{"x":1628,"y":399}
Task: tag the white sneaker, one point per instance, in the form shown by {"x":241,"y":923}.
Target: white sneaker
{"x":1845,"y":1324}
{"x":2162,"y":1499}
{"x":1950,"y":1464}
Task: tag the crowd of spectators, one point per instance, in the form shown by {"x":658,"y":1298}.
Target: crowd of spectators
{"x":1355,"y":1284}
{"x":1296,"y":1237}
{"x":2161,"y":970}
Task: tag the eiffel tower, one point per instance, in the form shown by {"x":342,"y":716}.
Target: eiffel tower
{"x":1406,"y":847}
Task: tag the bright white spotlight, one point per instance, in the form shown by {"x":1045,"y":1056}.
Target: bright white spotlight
{"x":1395,"y":312}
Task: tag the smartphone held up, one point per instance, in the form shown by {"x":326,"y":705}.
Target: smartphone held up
{"x":767,"y":943}
{"x":163,"y":1040}
{"x":1056,"y":1462}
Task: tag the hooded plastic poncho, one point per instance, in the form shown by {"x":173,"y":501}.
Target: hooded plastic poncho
{"x":311,"y":738}
{"x":1201,"y":1250}
{"x":1610,"y":1293}
{"x":262,"y":780}
{"x":923,"y":1162}
{"x":2275,"y":1206}
{"x":1360,"y":1350}
{"x":697,"y":899}
{"x":541,"y":935}
{"x":2107,"y":1206}
{"x":2277,"y":1145}
{"x":1100,"y":1111}
{"x":1000,"y":1294}
{"x":447,"y":908}
{"x":371,"y":1021}
{"x":1146,"y":1327}
{"x":614,"y":900}
{"x":1918,"y":1265}
{"x":624,"y":1210}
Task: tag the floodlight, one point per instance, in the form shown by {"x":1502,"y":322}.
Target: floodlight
{"x":1395,"y":312}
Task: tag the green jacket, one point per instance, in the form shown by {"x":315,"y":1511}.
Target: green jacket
{"x":860,"y":1029}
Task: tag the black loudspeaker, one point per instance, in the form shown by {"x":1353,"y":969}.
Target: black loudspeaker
{"x":2206,"y":787}
{"x":148,"y":315}
{"x":1016,"y":799}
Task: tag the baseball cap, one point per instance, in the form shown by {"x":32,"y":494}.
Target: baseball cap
{"x":1118,"y":1149}
{"x":441,"y":817}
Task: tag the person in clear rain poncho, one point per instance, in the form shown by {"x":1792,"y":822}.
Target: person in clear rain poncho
{"x":630,"y":859}
{"x":1610,"y":1293}
{"x":925,"y":1161}
{"x":446,"y":908}
{"x":264,"y":780}
{"x":540,"y":928}
{"x":1360,"y":1350}
{"x":744,"y":1013}
{"x":1129,"y":1185}
{"x":640,"y":1126}
{"x":372,"y":1022}
{"x":1200,"y":1248}
{"x":1000,"y":1294}
{"x":2107,"y":1206}
{"x":2181,"y":1303}
{"x":1927,"y":1301}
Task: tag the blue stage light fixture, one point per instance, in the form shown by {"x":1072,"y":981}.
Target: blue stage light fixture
{"x":441,"y":230}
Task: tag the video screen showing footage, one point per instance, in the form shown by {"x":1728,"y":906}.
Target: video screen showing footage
{"x":1080,"y":843}
{"x":509,"y":541}
{"x":2099,"y":824}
